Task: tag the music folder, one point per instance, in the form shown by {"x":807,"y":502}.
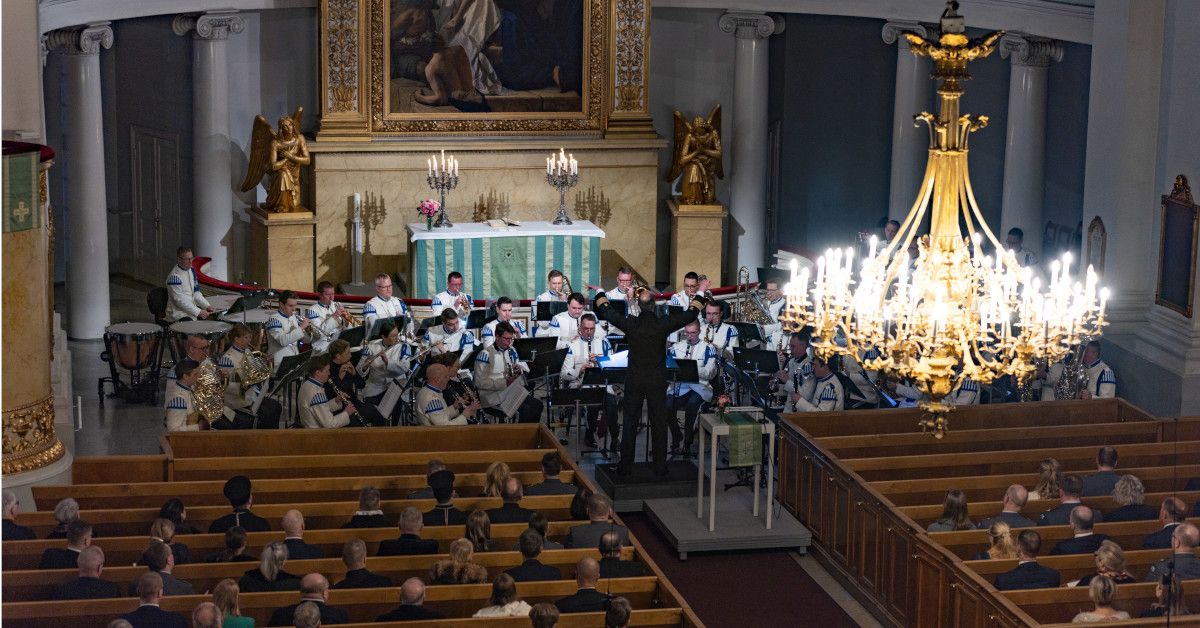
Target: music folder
{"x":604,"y":377}
{"x":528,"y":347}
{"x":512,"y":397}
{"x":618,"y":360}
{"x":480,"y":317}
{"x":547,"y":310}
{"x":685,"y":371}
{"x":353,"y":335}
{"x":759,"y":360}
{"x":400,"y":321}
{"x":748,"y":332}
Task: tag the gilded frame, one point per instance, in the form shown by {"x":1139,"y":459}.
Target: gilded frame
{"x":1179,"y":209}
{"x":1095,"y":256}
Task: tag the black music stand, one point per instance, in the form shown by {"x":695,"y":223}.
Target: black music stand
{"x":773,"y":274}
{"x":354,"y":335}
{"x":479,"y":317}
{"x":605,"y":377}
{"x":291,"y":371}
{"x":664,"y":310}
{"x":752,"y":364}
{"x":547,"y":310}
{"x":579,"y":399}
{"x":400,"y":321}
{"x":620,"y":305}
{"x":748,"y":332}
{"x":529,"y":348}
{"x":426,"y":323}
{"x":617,"y":343}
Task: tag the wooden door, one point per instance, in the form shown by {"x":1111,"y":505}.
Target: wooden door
{"x":155,"y":201}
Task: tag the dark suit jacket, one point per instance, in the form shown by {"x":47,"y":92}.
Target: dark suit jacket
{"x":171,"y":586}
{"x":1060,"y":515}
{"x":551,"y":486}
{"x":15,"y":532}
{"x":407,"y":545}
{"x":532,"y":569}
{"x":87,"y":589}
{"x":329,"y":615}
{"x":1160,"y":539}
{"x":253,"y":582}
{"x":299,"y":550}
{"x":409,"y":612}
{"x":583,"y":601}
{"x":1100,"y":483}
{"x":1013,"y":519}
{"x":368,"y":521}
{"x":1079,"y":545}
{"x":587,"y":536}
{"x":1132,"y":512}
{"x":1029,"y":575}
{"x":363,"y":579}
{"x":59,"y":558}
{"x":241,"y":517}
{"x":509,"y":513}
{"x":445,"y":516}
{"x":154,"y":617}
{"x":617,"y":568}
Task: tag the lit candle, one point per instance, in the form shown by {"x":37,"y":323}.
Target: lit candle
{"x":1103,"y":300}
{"x":874,"y":242}
{"x":433,"y":158}
{"x":429,"y":165}
{"x":443,"y":160}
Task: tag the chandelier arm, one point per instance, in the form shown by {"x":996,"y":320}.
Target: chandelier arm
{"x":917,"y":212}
{"x":987,"y":231}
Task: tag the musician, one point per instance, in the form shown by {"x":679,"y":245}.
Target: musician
{"x":827,"y":394}
{"x":581,"y":357}
{"x":456,"y":386}
{"x":565,"y":325}
{"x":327,"y":317}
{"x":624,"y":289}
{"x":383,"y":360}
{"x":186,"y":302}
{"x":285,"y":329}
{"x":1102,"y":381}
{"x":684,"y":296}
{"x":453,"y":297}
{"x":432,"y":408}
{"x":345,"y":378}
{"x":383,"y":304}
{"x":238,"y":396}
{"x":796,"y":376}
{"x":966,"y":393}
{"x":316,"y":408}
{"x":687,"y":395}
{"x":773,"y":332}
{"x":504,"y":312}
{"x":555,"y":292}
{"x":646,"y":377}
{"x":1014,"y":242}
{"x":721,"y":335}
{"x":195,"y":348}
{"x":496,"y":367}
{"x":863,"y":380}
{"x":180,"y":406}
{"x":450,"y":336}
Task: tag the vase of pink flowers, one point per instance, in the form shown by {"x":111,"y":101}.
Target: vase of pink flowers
{"x":723,"y":402}
{"x":429,"y":208}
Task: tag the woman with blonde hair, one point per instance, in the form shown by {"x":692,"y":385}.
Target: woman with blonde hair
{"x":164,"y":530}
{"x":504,"y":602}
{"x":269,"y":574}
{"x":1130,"y":493}
{"x":1110,"y":562}
{"x":479,"y":531}
{"x":65,"y":512}
{"x":1002,"y":543}
{"x":1047,"y":483}
{"x":225,"y":596}
{"x":458,"y":568}
{"x":1101,"y":591}
{"x":954,"y":514}
{"x":493,"y":481}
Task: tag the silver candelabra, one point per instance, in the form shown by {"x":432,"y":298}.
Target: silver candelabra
{"x":443,"y":181}
{"x":562,"y":180}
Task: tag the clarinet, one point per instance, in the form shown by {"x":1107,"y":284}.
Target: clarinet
{"x":355,"y":419}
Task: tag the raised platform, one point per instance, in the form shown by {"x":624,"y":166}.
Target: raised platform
{"x":736,"y":529}
{"x":628,"y":492}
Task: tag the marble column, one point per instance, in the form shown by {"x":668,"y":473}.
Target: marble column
{"x":212,"y":179}
{"x":87,"y":217}
{"x":748,"y":180}
{"x":910,"y":144}
{"x":1025,"y":139}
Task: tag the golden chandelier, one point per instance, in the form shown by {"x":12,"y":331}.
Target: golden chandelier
{"x":956,"y":311}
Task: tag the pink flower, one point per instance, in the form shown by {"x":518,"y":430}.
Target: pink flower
{"x":428,"y":208}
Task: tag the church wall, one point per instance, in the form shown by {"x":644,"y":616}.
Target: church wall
{"x":987,"y":95}
{"x":22,"y":66}
{"x":1066,"y":142}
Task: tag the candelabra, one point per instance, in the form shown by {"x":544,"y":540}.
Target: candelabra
{"x":443,"y":180}
{"x":562,"y":173}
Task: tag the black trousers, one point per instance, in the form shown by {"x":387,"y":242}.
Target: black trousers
{"x":268,"y":417}
{"x":691,"y":402}
{"x":650,"y":388}
{"x":612,"y":405}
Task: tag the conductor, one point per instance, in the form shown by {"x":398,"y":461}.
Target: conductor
{"x":646,"y":378}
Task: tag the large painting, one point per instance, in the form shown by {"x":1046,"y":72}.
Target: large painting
{"x":1179,"y":239}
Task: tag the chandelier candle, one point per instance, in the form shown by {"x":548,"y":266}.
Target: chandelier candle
{"x":562,"y":173}
{"x":442,"y":177}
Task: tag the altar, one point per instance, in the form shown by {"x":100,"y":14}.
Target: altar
{"x":506,"y":261}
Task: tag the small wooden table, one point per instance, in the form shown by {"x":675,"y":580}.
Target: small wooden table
{"x":717,"y":428}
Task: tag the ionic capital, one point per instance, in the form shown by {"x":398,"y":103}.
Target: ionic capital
{"x":212,"y":26}
{"x":745,"y":25}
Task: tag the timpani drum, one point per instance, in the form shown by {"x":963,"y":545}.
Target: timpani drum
{"x":133,"y":346}
{"x":214,"y":331}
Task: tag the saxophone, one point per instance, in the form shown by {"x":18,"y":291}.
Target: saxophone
{"x":208,"y":395}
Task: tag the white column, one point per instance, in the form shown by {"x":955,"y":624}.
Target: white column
{"x":212,"y":179}
{"x":910,"y":144}
{"x":748,"y":181}
{"x":1025,"y":139}
{"x":87,"y":218}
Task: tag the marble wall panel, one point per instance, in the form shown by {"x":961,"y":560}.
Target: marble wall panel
{"x":26,"y":318}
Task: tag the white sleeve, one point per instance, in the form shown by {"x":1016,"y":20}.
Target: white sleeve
{"x":198,"y":298}
{"x":708,"y":364}
{"x":182,"y":298}
{"x":327,"y":418}
{"x":1106,"y":388}
{"x":486,"y":376}
{"x":281,"y":337}
{"x":570,"y":369}
{"x":177,"y":414}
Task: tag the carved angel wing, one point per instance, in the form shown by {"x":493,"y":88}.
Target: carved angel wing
{"x":714,"y":120}
{"x":260,"y":152}
{"x":682,"y":131}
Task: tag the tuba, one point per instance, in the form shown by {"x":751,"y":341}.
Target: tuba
{"x":1074,"y":377}
{"x":208,"y":395}
{"x":748,"y":307}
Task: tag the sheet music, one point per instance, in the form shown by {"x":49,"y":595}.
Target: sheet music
{"x":618,"y":360}
{"x":513,"y":396}
{"x":390,"y":397}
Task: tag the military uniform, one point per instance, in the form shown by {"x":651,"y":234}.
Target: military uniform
{"x":432,"y":408}
{"x":458,"y":340}
{"x":185,"y":300}
{"x":283,"y":336}
{"x":317,"y":409}
{"x":827,"y":396}
{"x":378,"y":308}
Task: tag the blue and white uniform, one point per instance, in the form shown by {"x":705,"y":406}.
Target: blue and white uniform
{"x":324,"y":318}
{"x":566,"y":328}
{"x":378,"y":308}
{"x":432,"y":408}
{"x":444,"y":299}
{"x":487,"y":335}
{"x":577,"y":356}
{"x":543,"y":327}
{"x":705,"y":356}
{"x":459,"y":339}
{"x":184,"y":290}
{"x":283,"y":336}
{"x":773,"y":332}
{"x":1102,"y":381}
{"x":723,"y":337}
{"x":396,"y":362}
{"x":179,"y":405}
{"x":799,"y":376}
{"x":317,"y":410}
{"x":230,"y":363}
{"x":827,"y":396}
{"x":491,"y":373}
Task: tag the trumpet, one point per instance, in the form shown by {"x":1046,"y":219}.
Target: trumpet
{"x":462,"y":305}
{"x":567,"y":290}
{"x":347,"y":318}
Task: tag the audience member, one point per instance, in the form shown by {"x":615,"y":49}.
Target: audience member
{"x":1028,"y":574}
{"x":431,"y":467}
{"x":611,"y":565}
{"x":1002,"y":545}
{"x":354,"y":555}
{"x":225,"y":596}
{"x":1104,"y":479}
{"x":368,"y":515}
{"x":119,"y":623}
{"x":65,"y":511}
{"x":579,"y":503}
{"x":148,"y":613}
{"x":1162,"y":606}
{"x":410,"y":542}
{"x":618,"y":613}
{"x":88,"y":586}
{"x":550,"y":484}
{"x":1014,"y":500}
{"x":1101,"y":591}
{"x":441,"y":483}
{"x":1130,"y":493}
{"x":493,"y":479}
{"x":544,"y":615}
{"x":479,"y":531}
{"x":412,"y":599}
{"x":163,"y":530}
{"x":12,"y":530}
{"x":954,"y":513}
{"x":159,"y":559}
{"x":587,"y":599}
{"x":79,"y":536}
{"x":174,"y":511}
{"x":293,"y":529}
{"x":313,"y":588}
{"x":206,"y":615}
{"x":511,"y":511}
{"x":238,"y":492}
{"x":1110,"y":561}
{"x":457,"y":568}
{"x":269,"y":574}
{"x":1183,"y":546}
{"x":540,"y":524}
{"x":307,"y":615}
{"x":531,"y":569}
{"x":1172,"y":513}
{"x":504,"y":602}
{"x":1069,"y":489}
{"x":600,"y":514}
{"x":1047,"y":484}
{"x":1085,"y":540}
{"x":235,"y":548}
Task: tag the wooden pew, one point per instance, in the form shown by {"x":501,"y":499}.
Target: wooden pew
{"x":343,"y":465}
{"x":24,"y":586}
{"x":1060,"y":605}
{"x":1005,"y":438}
{"x":1128,"y":534}
{"x":1073,"y":566}
{"x":933,"y":490}
{"x":267,"y":491}
{"x":646,"y":617}
{"x":927,"y":514}
{"x":127,"y":550}
{"x":317,"y":515}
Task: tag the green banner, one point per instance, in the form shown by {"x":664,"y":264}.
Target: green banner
{"x":21,"y":192}
{"x":508,"y":262}
{"x":745,"y":439}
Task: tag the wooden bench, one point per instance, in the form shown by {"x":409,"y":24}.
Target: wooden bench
{"x":23,"y":586}
{"x":342,"y":465}
{"x":384,"y":440}
{"x":266,"y":491}
{"x":927,"y":514}
{"x":1073,"y":566}
{"x":1128,"y":534}
{"x":645,"y":617}
{"x":1060,"y":605}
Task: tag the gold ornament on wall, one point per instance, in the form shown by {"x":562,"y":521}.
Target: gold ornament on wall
{"x":697,"y":157}
{"x":28,"y":437}
{"x":278,"y":155}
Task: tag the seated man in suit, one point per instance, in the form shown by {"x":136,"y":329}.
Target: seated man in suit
{"x":550,"y":484}
{"x":540,"y":524}
{"x":354,"y":555}
{"x":531,"y":569}
{"x":79,"y":536}
{"x":1172,"y":513}
{"x":611,"y":565}
{"x":313,"y":588}
{"x":12,"y":530}
{"x":293,"y":530}
{"x":599,"y":511}
{"x":587,"y":599}
{"x":431,"y":467}
{"x":1183,"y":557}
{"x":511,"y":511}
{"x":1101,"y":483}
{"x":1070,"y":487}
{"x":444,"y":513}
{"x":307,"y":615}
{"x":410,"y":541}
{"x":1015,"y":499}
{"x":237,"y":491}
{"x":161,"y":560}
{"x":412,"y":600}
{"x":207,"y":615}
{"x":88,"y":586}
{"x":1028,"y":574}
{"x":148,"y":613}
{"x":368,"y":515}
{"x":1085,"y":540}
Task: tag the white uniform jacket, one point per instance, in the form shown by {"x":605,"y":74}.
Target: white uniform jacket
{"x":577,"y":356}
{"x":377,"y":308}
{"x":396,"y":362}
{"x":705,"y":356}
{"x":724,"y":337}
{"x":283,"y":336}
{"x":458,"y":339}
{"x":827,"y":396}
{"x":317,"y":410}
{"x":184,"y":291}
{"x":432,"y":408}
{"x":324,"y":318}
{"x":491,"y":371}
{"x":179,"y":406}
{"x":487,"y":335}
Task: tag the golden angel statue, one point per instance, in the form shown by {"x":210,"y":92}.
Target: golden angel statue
{"x":279,"y":155}
{"x":697,"y":157}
